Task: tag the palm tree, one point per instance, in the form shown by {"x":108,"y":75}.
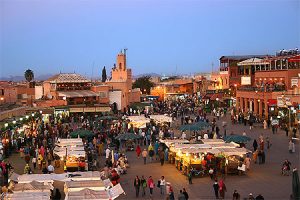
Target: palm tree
{"x":29,"y":75}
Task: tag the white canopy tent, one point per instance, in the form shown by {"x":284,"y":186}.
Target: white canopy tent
{"x":169,"y":142}
{"x":161,"y":118}
{"x":88,"y":194}
{"x":212,"y":141}
{"x":139,"y":121}
{"x":77,"y":154}
{"x":27,"y":196}
{"x":74,"y":176}
{"x":234,"y":152}
{"x":74,"y":186}
{"x":33,"y":186}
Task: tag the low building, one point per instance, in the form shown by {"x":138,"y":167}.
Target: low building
{"x":264,"y":80}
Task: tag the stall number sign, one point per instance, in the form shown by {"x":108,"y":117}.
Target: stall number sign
{"x":294,"y":82}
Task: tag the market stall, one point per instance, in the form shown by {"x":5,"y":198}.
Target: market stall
{"x":74,"y":186}
{"x":139,"y":121}
{"x":233,"y":157}
{"x":27,"y":196}
{"x":72,"y":152}
{"x":195,"y":159}
{"x":170,"y":143}
{"x":161,"y":118}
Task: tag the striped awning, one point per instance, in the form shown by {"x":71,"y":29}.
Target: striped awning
{"x":77,"y":93}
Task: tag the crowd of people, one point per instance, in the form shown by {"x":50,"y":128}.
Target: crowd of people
{"x":36,"y":147}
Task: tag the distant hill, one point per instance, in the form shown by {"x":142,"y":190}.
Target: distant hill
{"x":21,"y":78}
{"x":147,"y":74}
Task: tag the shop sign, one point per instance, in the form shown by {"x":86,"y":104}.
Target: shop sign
{"x":103,"y":109}
{"x":75,"y":110}
{"x":89,"y":109}
{"x":246,"y":80}
{"x":294,"y":82}
{"x":283,"y":101}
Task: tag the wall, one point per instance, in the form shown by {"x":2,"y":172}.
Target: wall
{"x":50,"y":103}
{"x":103,"y":90}
{"x":116,"y":97}
{"x":39,"y":92}
{"x":12,"y":113}
{"x":135,"y":96}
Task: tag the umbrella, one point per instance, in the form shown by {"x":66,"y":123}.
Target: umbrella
{"x":237,"y":138}
{"x":128,"y":136}
{"x":295,"y":185}
{"x":81,"y":133}
{"x":194,"y":127}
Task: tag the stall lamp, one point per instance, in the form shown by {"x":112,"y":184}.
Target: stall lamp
{"x":6,"y":125}
{"x":21,"y":119}
{"x":41,"y":111}
{"x":27,"y":116}
{"x":14,"y":122}
{"x":32,"y":114}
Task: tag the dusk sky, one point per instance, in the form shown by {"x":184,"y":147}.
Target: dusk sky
{"x":83,"y":36}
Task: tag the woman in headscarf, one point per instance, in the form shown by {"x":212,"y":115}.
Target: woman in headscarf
{"x":138,"y":151}
{"x":222,"y":189}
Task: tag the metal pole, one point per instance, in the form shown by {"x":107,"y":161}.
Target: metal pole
{"x":289,"y":119}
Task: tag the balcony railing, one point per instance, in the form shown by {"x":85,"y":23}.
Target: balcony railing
{"x":261,"y":89}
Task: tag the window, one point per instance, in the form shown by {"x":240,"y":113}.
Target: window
{"x":102,"y":94}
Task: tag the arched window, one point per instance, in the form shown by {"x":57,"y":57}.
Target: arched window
{"x":120,"y":65}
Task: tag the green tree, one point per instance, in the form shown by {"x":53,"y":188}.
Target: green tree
{"x":104,"y":76}
{"x":29,"y":75}
{"x":144,"y":84}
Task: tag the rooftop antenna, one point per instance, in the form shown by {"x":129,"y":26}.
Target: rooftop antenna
{"x":92,"y":71}
{"x":176,"y":70}
{"x":125,"y":51}
{"x":212,"y":67}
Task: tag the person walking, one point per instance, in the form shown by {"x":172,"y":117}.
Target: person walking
{"x":34,"y":162}
{"x":144,"y":186}
{"x":144,"y":155}
{"x":181,"y":196}
{"x":255,"y":145}
{"x":162,"y":185}
{"x":190,"y":177}
{"x":268,"y":142}
{"x":150,"y":185}
{"x":291,"y":146}
{"x":259,"y":155}
{"x":137,"y":184}
{"x":186,"y":195}
{"x":263,"y":157}
{"x":162,"y":157}
{"x":222,"y":189}
{"x":216,"y":188}
{"x":254,"y":156}
{"x":138,"y":151}
{"x":236,"y":195}
{"x":151,"y":152}
{"x":247,"y":162}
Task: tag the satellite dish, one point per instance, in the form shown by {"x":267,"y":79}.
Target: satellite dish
{"x":49,"y":96}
